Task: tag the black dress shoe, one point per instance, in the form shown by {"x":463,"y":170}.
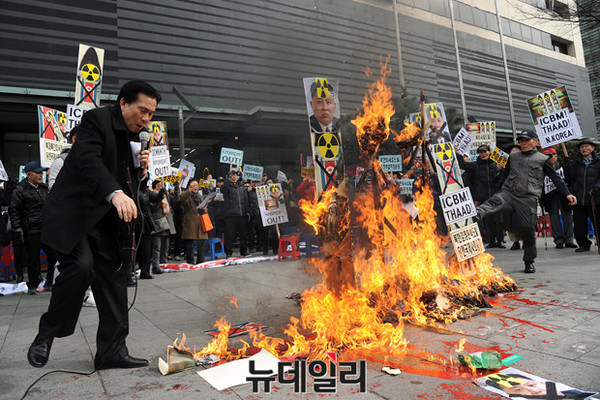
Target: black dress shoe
{"x":157,"y":271}
{"x":582,"y":249}
{"x":39,"y":351}
{"x":146,"y":277}
{"x":571,"y":245}
{"x":529,"y":268}
{"x":515,"y":246}
{"x":560,"y":246}
{"x":125,"y":362}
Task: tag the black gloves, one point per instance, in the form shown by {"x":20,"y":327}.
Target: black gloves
{"x":19,"y":236}
{"x":595,"y":191}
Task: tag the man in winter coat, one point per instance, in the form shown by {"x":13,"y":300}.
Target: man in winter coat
{"x":583,"y":172}
{"x":236,"y":213}
{"x":25,"y":212}
{"x":521,"y":191}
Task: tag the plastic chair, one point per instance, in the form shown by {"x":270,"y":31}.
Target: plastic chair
{"x":7,"y":264}
{"x":590,"y":228}
{"x":210,"y":248}
{"x":308,"y":239}
{"x":284,"y":242}
{"x":290,"y":230}
{"x":543,"y":226}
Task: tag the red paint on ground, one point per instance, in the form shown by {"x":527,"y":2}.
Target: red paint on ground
{"x":539,"y":303}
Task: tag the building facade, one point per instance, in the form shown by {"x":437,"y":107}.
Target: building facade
{"x":241,"y":64}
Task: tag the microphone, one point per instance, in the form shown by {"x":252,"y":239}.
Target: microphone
{"x":144,"y":139}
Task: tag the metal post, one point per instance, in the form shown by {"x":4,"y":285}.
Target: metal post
{"x":181,"y":144}
{"x":398,"y":46}
{"x":506,"y":75}
{"x":460,"y":79}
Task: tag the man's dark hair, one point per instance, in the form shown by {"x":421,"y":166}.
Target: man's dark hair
{"x":155,"y":183}
{"x":129,"y":91}
{"x":74,"y":132}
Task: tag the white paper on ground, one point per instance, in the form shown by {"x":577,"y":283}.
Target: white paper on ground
{"x":235,"y":372}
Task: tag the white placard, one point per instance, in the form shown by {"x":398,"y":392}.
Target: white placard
{"x":549,"y":185}
{"x":231,"y":156}
{"x":74,"y":114}
{"x":557,"y":127}
{"x":467,"y":242}
{"x":188,"y":170}
{"x":391,"y":163}
{"x":252,"y":172}
{"x":462,"y":141}
{"x":3,"y":174}
{"x":160,"y":162}
{"x":458,"y":206}
{"x":281,"y":176}
{"x":271,"y":204}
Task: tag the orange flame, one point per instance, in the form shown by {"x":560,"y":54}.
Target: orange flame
{"x":233,"y":301}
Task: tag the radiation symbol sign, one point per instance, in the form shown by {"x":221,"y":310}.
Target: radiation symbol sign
{"x":444,"y":151}
{"x":90,"y":72}
{"x":322,"y":88}
{"x":328,"y":145}
{"x":156,"y":127}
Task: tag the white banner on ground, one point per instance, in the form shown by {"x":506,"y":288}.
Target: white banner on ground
{"x":271,"y":204}
{"x":3,"y":174}
{"x":467,"y":242}
{"x":462,"y":141}
{"x":458,"y":206}
{"x":549,"y":185}
{"x":391,"y":163}
{"x":557,"y":127}
{"x":231,"y":156}
{"x":252,"y":172}
{"x":160,"y":162}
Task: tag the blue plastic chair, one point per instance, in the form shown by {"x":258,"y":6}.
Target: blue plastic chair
{"x":210,"y":248}
{"x":311,"y":244}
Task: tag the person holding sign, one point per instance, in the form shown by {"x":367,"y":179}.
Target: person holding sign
{"x":90,"y":220}
{"x":557,"y":207}
{"x":523,"y":181}
{"x":236,"y":213}
{"x":583,"y":172}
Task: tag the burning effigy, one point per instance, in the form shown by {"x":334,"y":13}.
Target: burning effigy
{"x":406,"y":273}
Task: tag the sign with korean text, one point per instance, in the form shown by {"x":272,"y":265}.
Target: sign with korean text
{"x":405,"y":186}
{"x":172,"y":179}
{"x":499,"y":156}
{"x":231,"y":156}
{"x":307,"y":172}
{"x":458,"y":206}
{"x":52,"y":130}
{"x":549,"y":186}
{"x":160,"y":162}
{"x":252,"y":172}
{"x":467,"y":242}
{"x":271,"y":204}
{"x":90,"y":66}
{"x":463,"y":141}
{"x":483,"y":133}
{"x":391,"y":163}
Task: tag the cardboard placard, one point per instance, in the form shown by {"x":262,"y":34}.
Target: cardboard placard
{"x":187,"y":170}
{"x":3,"y":174}
{"x":231,"y":156}
{"x":172,"y":179}
{"x":74,"y":114}
{"x":307,"y":172}
{"x":252,"y":172}
{"x":499,"y":156}
{"x":271,"y":204}
{"x":90,"y":65}
{"x":158,"y":133}
{"x":281,"y":176}
{"x":391,"y":163}
{"x":458,"y":206}
{"x":467,"y":242}
{"x":160,"y":162}
{"x":52,"y":130}
{"x":483,"y":133}
{"x":549,"y":186}
{"x":463,"y":141}
{"x":405,"y":186}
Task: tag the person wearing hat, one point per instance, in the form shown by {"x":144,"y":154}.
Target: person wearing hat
{"x":522,"y":185}
{"x":583,"y":172}
{"x":483,"y":184}
{"x":557,"y":208}
{"x":25,"y":212}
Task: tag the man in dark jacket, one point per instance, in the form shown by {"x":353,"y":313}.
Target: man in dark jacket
{"x":25,"y":212}
{"x":236,"y":213}
{"x":483,"y":172}
{"x":523,"y":183}
{"x":583,"y":172}
{"x":89,"y":218}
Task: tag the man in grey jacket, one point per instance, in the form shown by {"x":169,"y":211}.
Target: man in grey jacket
{"x":523,"y":179}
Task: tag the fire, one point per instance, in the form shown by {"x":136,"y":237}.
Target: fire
{"x":382,"y":267}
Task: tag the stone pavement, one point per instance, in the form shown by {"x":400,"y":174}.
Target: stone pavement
{"x":553,"y":322}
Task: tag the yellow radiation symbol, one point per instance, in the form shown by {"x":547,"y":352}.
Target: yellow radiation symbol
{"x":434,"y":111}
{"x":444,"y":151}
{"x":322,"y":88}
{"x":505,"y":380}
{"x":90,"y":72}
{"x":156,"y":128}
{"x":274,"y":188}
{"x":328,"y":145}
{"x":62,"y":118}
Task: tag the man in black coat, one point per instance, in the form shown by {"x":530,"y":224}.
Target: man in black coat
{"x":236,"y":213}
{"x":583,"y":173}
{"x":89,"y":219}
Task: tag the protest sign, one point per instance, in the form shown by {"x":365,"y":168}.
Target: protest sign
{"x":231,"y":156}
{"x":89,"y":76}
{"x":549,"y":185}
{"x":281,"y":176}
{"x":467,"y":242}
{"x":3,"y":174}
{"x":447,"y":168}
{"x":463,"y":141}
{"x":324,"y":129}
{"x":172,"y":179}
{"x":553,"y":116}
{"x":52,"y":130}
{"x":188,"y":170}
{"x":405,"y":186}
{"x":160,"y":162}
{"x":391,"y":163}
{"x":158,"y":133}
{"x":483,"y":133}
{"x":252,"y":172}
{"x":74,"y":114}
{"x":458,"y":206}
{"x":307,"y":172}
{"x":271,"y":204}
{"x":499,"y":156}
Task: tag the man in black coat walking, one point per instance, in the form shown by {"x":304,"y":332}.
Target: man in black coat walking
{"x":89,"y":219}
